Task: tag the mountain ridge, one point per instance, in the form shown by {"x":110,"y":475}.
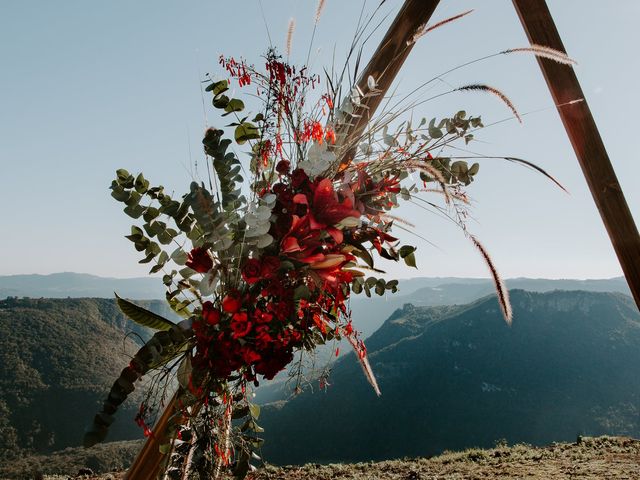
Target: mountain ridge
{"x":468,"y":379}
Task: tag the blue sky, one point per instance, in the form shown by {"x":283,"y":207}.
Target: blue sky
{"x":88,"y":87}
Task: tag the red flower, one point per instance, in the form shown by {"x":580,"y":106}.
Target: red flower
{"x":262,"y":317}
{"x":251,"y":271}
{"x":231,"y":303}
{"x":273,"y":363}
{"x":327,"y":209}
{"x":269,"y":266}
{"x":330,"y":136}
{"x":283,"y":166}
{"x":299,"y":178}
{"x":210,"y":314}
{"x":240,"y":325}
{"x":250,"y":356}
{"x":199,"y":260}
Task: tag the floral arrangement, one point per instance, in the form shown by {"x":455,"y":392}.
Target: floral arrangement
{"x":264,"y":266}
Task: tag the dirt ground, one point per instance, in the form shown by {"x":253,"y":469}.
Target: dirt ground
{"x":589,"y":458}
{"x":592,"y":458}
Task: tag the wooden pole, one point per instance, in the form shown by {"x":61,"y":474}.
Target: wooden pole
{"x":587,"y":143}
{"x":385,"y":65}
{"x":146,"y":466}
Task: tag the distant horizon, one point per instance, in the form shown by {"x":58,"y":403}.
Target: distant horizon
{"x":149,"y":277}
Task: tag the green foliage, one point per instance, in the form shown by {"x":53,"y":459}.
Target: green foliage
{"x":458,"y":172}
{"x":378,"y":285}
{"x":57,"y":359}
{"x":143,"y":316}
{"x":227,"y":168}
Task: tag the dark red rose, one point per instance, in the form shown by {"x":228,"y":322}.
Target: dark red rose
{"x":269,"y":266}
{"x":199,"y":260}
{"x":299,"y":178}
{"x":231,"y":303}
{"x":263,"y":337}
{"x":279,"y":188}
{"x":262,"y":317}
{"x":274,"y":362}
{"x":240,"y":325}
{"x":282,"y":310}
{"x":210,"y":314}
{"x":250,"y":356}
{"x":283,"y":166}
{"x":251,"y":271}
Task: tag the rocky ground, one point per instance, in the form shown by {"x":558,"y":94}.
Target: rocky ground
{"x":589,"y":458}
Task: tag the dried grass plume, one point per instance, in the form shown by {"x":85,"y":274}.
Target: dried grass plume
{"x":319,"y":10}
{"x":501,"y":289}
{"x":544,"y":52}
{"x":290,"y":30}
{"x":422,"y":31}
{"x":493,"y":91}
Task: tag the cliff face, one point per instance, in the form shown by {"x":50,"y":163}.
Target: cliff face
{"x":457,"y":377}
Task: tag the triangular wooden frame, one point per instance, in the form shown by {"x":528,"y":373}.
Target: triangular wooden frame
{"x":581,"y":129}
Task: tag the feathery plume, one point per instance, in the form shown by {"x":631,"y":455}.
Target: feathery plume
{"x":319,"y":10}
{"x":422,"y":165}
{"x":501,"y":289}
{"x":290,"y":30}
{"x":544,"y":52}
{"x":392,"y":218}
{"x":361,"y":353}
{"x":423,"y":30}
{"x":493,"y":91}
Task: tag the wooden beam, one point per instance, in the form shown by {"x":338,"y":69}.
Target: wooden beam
{"x":385,"y":65}
{"x":146,"y":466}
{"x":587,"y":143}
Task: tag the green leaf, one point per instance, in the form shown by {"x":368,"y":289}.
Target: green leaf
{"x":410,"y":260}
{"x":179,"y":256}
{"x":134,"y":211}
{"x":119,"y":193}
{"x":218,"y":87}
{"x":234,"y":105}
{"x":122,"y":175}
{"x":246,"y":131}
{"x":143,"y":316}
{"x":406,"y":250}
{"x":220,"y":102}
{"x":142,"y":184}
{"x":255,"y":410}
{"x":150,"y":213}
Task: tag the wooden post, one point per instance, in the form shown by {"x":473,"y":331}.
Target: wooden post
{"x":587,"y":143}
{"x":385,"y":65}
{"x":147,"y":464}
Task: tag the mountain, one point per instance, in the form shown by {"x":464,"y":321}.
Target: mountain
{"x":75,"y":285}
{"x":457,"y":377}
{"x":369,"y":314}
{"x":58,"y":359}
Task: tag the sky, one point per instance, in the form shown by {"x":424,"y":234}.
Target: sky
{"x":88,"y":87}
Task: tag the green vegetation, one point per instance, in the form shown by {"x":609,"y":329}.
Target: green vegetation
{"x":456,"y":377}
{"x":58,"y":359}
{"x":108,"y":457}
